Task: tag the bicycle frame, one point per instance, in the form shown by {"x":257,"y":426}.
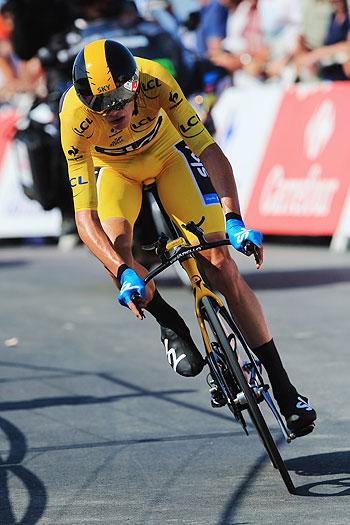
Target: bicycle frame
{"x":227,"y":369}
{"x":184,"y":254}
{"x":200,"y":290}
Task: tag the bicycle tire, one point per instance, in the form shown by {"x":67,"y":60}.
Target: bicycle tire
{"x":209,"y":307}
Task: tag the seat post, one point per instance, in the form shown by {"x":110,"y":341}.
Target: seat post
{"x":154,"y":199}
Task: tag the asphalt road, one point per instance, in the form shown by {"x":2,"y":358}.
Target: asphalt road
{"x":96,"y":428}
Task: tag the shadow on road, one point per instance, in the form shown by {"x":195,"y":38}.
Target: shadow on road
{"x":265,"y":280}
{"x":45,"y":402}
{"x":13,"y":263}
{"x":36,"y":492}
{"x":233,"y":504}
{"x":330,"y":464}
{"x":297,"y":278}
{"x":136,"y":390}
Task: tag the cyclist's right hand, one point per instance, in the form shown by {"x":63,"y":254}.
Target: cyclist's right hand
{"x":131,"y":284}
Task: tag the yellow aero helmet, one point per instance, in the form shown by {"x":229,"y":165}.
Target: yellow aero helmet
{"x":105,"y":75}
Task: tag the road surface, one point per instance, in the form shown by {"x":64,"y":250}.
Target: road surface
{"x":96,"y":428}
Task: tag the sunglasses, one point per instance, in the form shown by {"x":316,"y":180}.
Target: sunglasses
{"x":118,"y":105}
{"x":103,"y":104}
{"x":113,"y":100}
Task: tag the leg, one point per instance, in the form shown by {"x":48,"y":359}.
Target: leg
{"x":191,"y":197}
{"x":223,"y":274}
{"x":120,"y":201}
{"x":119,"y":205}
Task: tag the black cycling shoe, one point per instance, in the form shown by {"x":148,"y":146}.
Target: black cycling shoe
{"x":301,"y":418}
{"x":182,"y":354}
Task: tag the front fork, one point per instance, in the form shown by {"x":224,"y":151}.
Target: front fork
{"x":200,"y":290}
{"x":189,"y":264}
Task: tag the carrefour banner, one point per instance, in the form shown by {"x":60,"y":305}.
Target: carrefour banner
{"x":304,"y":176}
{"x":298,"y":172}
{"x":244,"y":120}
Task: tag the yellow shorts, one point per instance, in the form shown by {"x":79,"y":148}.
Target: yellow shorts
{"x":184,"y":188}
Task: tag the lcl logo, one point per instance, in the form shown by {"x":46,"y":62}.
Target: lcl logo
{"x":84,"y":126}
{"x":142,"y":123}
{"x":77,"y":181}
{"x":185,"y":129}
{"x":149,"y":86}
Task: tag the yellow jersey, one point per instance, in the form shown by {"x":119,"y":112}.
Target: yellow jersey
{"x":163,"y":118}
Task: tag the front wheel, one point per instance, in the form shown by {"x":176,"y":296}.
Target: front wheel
{"x":210,"y":311}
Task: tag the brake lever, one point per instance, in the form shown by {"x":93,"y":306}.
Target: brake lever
{"x":196,"y":229}
{"x":159,"y":246}
{"x":136,"y":298}
{"x":251,"y":249}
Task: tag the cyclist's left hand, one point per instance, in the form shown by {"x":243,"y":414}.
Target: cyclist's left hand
{"x":238,"y":234}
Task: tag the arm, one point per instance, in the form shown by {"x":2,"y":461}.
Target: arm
{"x":214,"y":45}
{"x":75,"y":124}
{"x":197,"y":138}
{"x":339,"y":52}
{"x":217,"y":30}
{"x":83,"y":183}
{"x":94,"y":237}
{"x":221,"y":174}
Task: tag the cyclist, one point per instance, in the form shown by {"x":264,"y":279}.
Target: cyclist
{"x":129,"y":117}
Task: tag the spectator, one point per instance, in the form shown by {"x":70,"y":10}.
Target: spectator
{"x":244,"y":49}
{"x":16,"y":76}
{"x":281,"y":22}
{"x":314,"y":24}
{"x":330,"y":61}
{"x":212,"y":27}
{"x":261,"y":34}
{"x":314,"y":21}
{"x":35,"y":21}
{"x":7,"y":62}
{"x":159,"y":11}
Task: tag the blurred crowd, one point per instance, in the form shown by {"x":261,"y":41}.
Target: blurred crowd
{"x":249,"y":40}
{"x":206,"y":44}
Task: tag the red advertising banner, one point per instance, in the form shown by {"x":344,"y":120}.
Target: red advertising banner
{"x":304,"y":176}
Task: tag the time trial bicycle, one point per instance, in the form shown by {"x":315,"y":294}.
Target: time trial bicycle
{"x":232,"y":366}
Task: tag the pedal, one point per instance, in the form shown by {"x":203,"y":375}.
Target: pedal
{"x":218,"y":399}
{"x":241,"y":400}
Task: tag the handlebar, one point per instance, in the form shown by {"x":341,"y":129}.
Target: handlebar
{"x":186,"y":250}
{"x":135,"y":297}
{"x":249,"y":247}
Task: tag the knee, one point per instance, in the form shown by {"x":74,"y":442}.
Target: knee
{"x":224,"y":274}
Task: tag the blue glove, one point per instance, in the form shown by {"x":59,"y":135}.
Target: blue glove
{"x":130,"y":283}
{"x":238,"y":234}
